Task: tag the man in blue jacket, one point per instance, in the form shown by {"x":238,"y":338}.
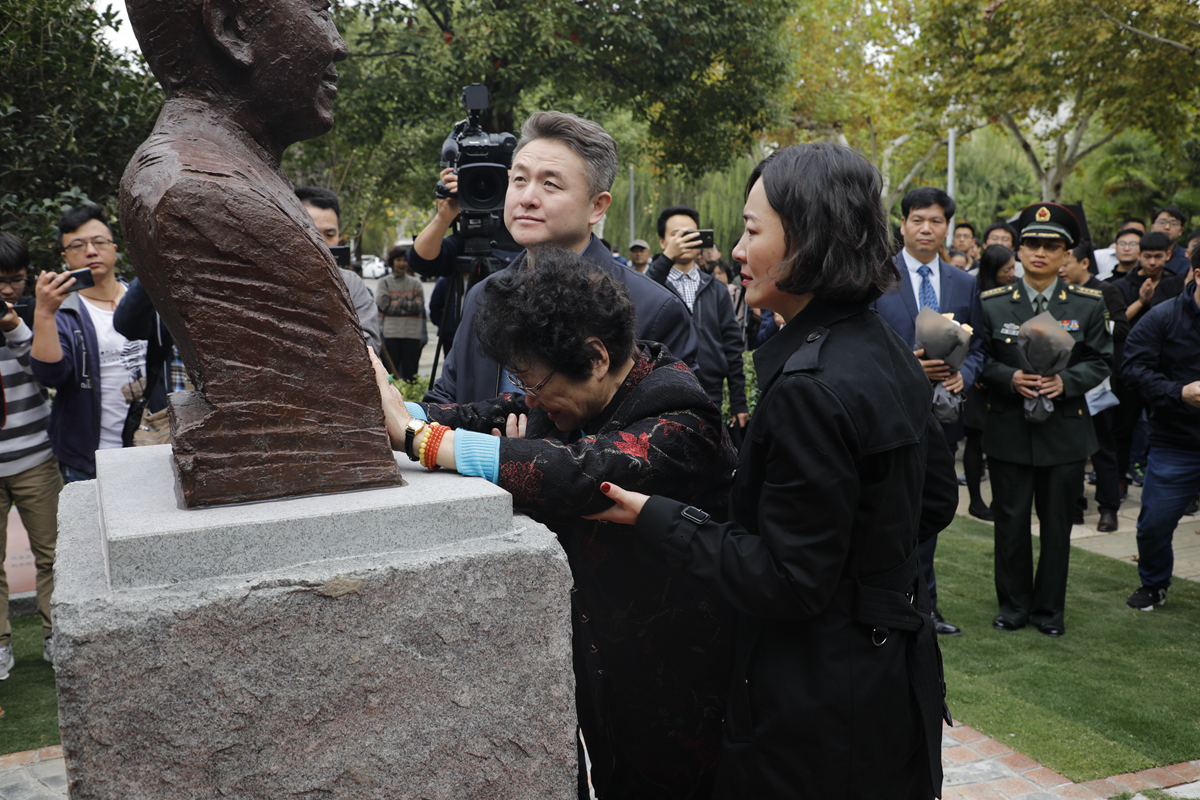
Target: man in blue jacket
{"x":558,"y":187}
{"x":77,"y":350}
{"x":926,"y":280}
{"x":1162,"y":363}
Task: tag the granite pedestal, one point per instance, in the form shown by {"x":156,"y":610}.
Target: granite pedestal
{"x":402,"y":642}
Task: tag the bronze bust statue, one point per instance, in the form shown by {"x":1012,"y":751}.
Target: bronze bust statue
{"x":285,"y":401}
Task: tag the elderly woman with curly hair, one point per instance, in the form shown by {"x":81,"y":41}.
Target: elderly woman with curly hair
{"x":653,"y":645}
{"x":837,"y":689}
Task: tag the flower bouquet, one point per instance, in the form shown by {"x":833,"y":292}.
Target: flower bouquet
{"x":944,"y":339}
{"x":1043,"y":348}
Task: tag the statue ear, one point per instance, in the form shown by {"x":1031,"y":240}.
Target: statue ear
{"x":227,"y":29}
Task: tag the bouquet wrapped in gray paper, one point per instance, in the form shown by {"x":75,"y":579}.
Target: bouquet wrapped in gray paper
{"x":944,"y":339}
{"x":1043,"y":348}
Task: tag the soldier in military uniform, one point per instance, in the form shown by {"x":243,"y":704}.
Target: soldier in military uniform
{"x":1030,"y":461}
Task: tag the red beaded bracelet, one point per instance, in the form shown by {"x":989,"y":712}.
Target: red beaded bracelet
{"x":429,"y":447}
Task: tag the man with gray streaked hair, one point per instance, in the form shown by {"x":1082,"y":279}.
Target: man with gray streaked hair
{"x":558,"y":186}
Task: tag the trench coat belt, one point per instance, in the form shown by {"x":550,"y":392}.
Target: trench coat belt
{"x":899,"y":599}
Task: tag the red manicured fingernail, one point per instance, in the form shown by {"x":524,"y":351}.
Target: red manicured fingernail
{"x":606,"y":487}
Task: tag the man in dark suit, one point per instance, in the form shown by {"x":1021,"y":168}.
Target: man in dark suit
{"x":926,"y":280}
{"x":1039,"y":460}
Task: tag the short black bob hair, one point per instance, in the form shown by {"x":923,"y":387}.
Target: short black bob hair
{"x":14,"y":255}
{"x":671,"y":211}
{"x":836,"y":238}
{"x":75,"y":218}
{"x":926,"y":197}
{"x":545,"y":310}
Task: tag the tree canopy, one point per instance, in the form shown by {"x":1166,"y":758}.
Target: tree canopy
{"x":1058,"y":75}
{"x":72,"y":112}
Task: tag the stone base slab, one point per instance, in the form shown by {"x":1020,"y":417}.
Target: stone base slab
{"x":441,"y":671}
{"x":152,"y":540}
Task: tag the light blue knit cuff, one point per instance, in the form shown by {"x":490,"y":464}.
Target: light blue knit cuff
{"x":477,"y":454}
{"x":416,"y":410}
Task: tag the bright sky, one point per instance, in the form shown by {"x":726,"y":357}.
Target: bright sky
{"x":124,"y":38}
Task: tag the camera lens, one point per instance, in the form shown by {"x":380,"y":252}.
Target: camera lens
{"x":485,"y":189}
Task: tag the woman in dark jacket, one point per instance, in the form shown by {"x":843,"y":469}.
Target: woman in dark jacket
{"x":653,"y":645}
{"x":837,"y":688}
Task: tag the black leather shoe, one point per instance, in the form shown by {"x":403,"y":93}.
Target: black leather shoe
{"x":1077,"y":518}
{"x":1002,"y":623}
{"x":1051,"y":630}
{"x":1108,"y":522}
{"x":980,"y":511}
{"x":944,"y":628}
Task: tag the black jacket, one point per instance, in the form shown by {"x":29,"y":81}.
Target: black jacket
{"x":1114,"y":300}
{"x":1162,"y":355}
{"x":469,"y":376}
{"x":842,"y":471}
{"x":652,"y":645}
{"x":718,"y":337}
{"x":1131,"y":283}
{"x":135,"y":318}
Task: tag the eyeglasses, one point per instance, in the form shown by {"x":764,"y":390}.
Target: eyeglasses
{"x":78,"y":246}
{"x":1168,"y":223}
{"x":532,"y":391}
{"x":15,"y":283}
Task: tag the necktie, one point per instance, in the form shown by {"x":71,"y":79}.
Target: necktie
{"x":928,"y":295}
{"x":1041,"y":304}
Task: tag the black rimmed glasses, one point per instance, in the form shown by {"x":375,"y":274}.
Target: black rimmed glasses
{"x":532,"y":391}
{"x":78,"y":246}
{"x":14,"y":283}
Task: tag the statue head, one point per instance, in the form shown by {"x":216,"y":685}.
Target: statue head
{"x":269,"y":63}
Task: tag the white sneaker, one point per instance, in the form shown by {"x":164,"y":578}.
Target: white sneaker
{"x":6,"y":661}
{"x":48,"y":649}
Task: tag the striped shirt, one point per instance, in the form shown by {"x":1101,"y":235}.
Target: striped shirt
{"x":23,"y":440}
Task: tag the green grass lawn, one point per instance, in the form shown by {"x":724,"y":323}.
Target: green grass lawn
{"x":1119,"y":693}
{"x":27,"y":697}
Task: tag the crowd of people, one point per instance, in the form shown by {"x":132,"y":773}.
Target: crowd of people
{"x":755,"y":605}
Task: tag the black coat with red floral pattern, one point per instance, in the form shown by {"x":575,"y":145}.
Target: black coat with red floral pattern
{"x":653,"y":646}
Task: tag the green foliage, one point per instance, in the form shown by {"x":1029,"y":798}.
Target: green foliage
{"x":718,"y":196}
{"x":1054,"y":71}
{"x":1092,"y":704}
{"x":685,"y":85}
{"x":702,"y":75}
{"x":28,"y":697}
{"x":412,"y":391}
{"x":1132,"y":176}
{"x":72,"y":112}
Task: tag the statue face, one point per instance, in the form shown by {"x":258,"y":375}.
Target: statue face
{"x":293,"y":75}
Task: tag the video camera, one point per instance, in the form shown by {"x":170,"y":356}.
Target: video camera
{"x":481,"y":162}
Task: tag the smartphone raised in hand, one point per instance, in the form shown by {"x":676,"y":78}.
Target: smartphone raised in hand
{"x":706,"y":238}
{"x":84,"y":279}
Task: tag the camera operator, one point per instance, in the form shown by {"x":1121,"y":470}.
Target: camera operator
{"x":558,"y":188}
{"x":435,"y":248}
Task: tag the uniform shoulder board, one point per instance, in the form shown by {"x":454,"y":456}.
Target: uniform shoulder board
{"x":998,"y":290}
{"x":1086,"y":291}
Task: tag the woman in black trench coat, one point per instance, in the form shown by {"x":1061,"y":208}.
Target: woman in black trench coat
{"x":837,"y":690}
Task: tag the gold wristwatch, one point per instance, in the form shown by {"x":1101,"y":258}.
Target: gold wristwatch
{"x":411,"y":430}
